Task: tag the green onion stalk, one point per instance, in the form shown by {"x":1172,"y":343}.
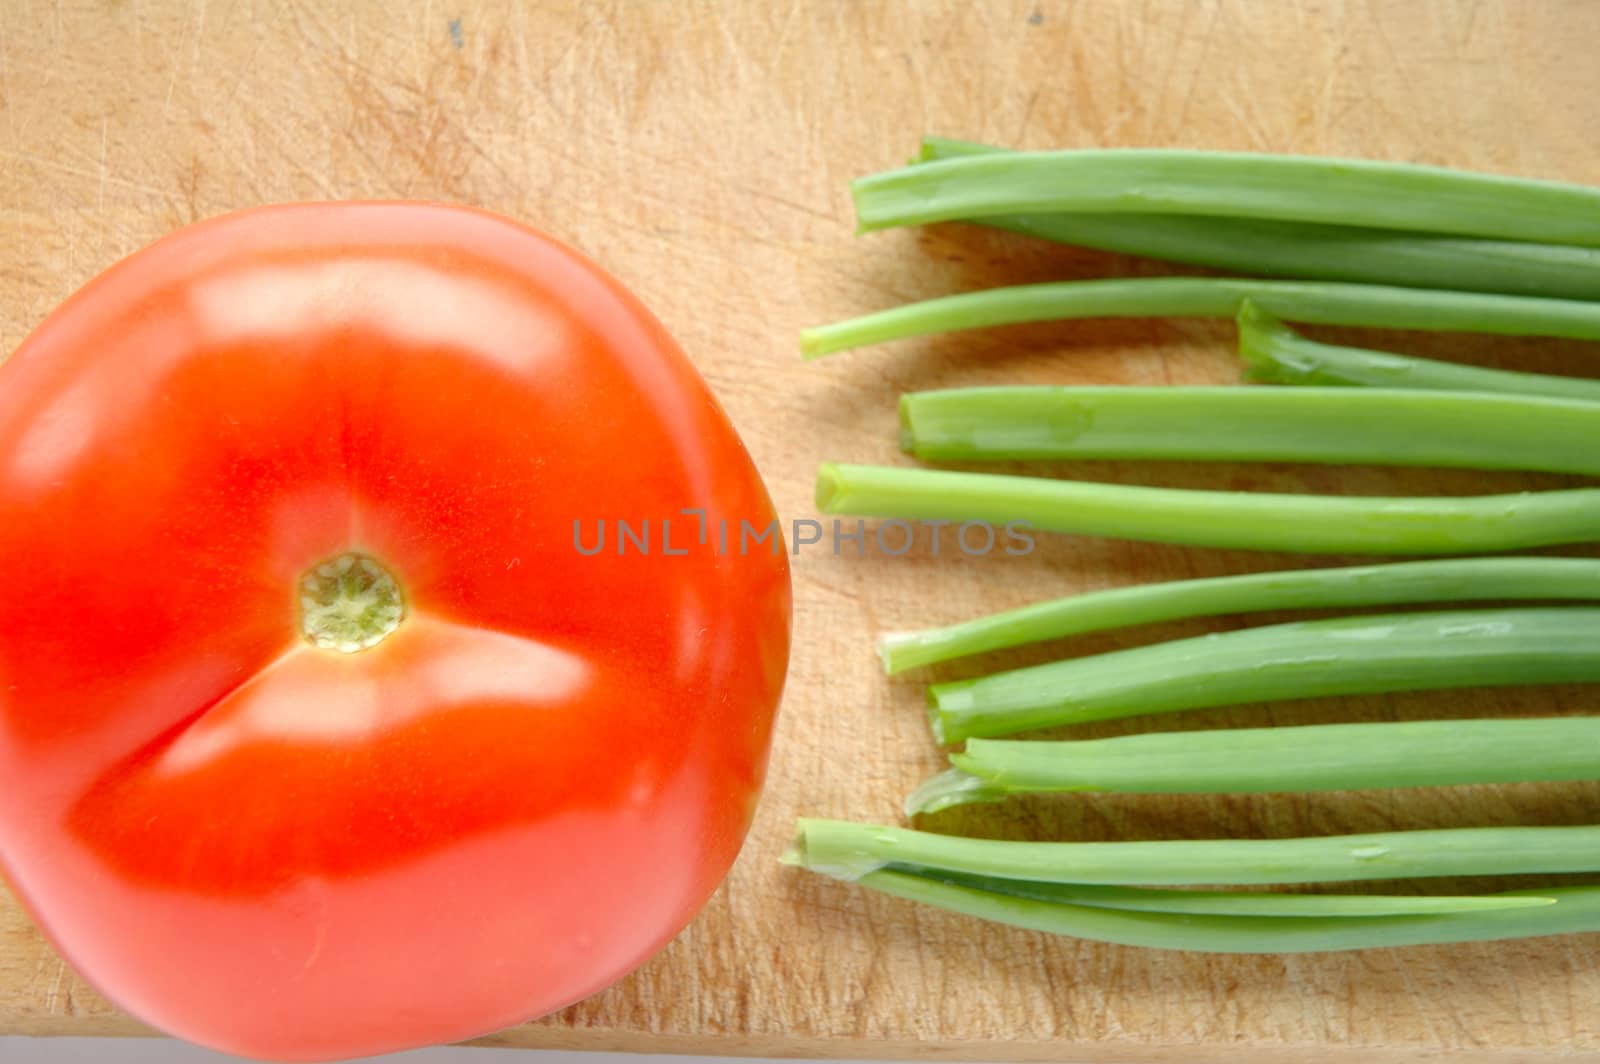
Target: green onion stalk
{"x":1347,"y":192}
{"x":1273,"y":353}
{"x":1321,"y":757}
{"x":1575,"y":910}
{"x":1311,"y":250}
{"x":1314,"y":302}
{"x":1474,"y":430}
{"x":849,"y":851}
{"x":1310,"y":524}
{"x":1367,"y":654}
{"x":1442,"y":580}
{"x":1049,"y":886}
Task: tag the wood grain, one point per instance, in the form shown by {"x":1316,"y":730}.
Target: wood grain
{"x":701,"y":151}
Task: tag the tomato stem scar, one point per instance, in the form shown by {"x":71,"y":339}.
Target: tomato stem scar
{"x":349,"y":603}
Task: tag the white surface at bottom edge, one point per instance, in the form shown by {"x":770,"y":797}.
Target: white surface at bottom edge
{"x":16,"y":1050}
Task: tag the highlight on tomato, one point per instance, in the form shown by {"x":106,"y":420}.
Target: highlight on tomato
{"x":319,"y":738}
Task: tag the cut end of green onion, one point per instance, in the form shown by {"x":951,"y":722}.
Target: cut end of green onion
{"x":856,"y":192}
{"x":1254,"y":322}
{"x":1252,"y":316}
{"x":946,"y":703}
{"x":936,"y":720}
{"x":902,"y":651}
{"x":887,"y":645}
{"x":908,"y":435}
{"x":1273,"y":353}
{"x":951,"y":788}
{"x":1257,"y":331}
{"x":829,"y":484}
{"x":839,"y":849}
{"x":814,"y":343}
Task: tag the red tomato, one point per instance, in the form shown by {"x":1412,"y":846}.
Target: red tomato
{"x":370,"y":424}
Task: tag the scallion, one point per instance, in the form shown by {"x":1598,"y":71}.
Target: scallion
{"x":1446,"y":580}
{"x":1368,"y":654}
{"x":1576,"y":909}
{"x":1480,"y":524}
{"x":1318,"y":757}
{"x":1353,"y":192}
{"x":1310,"y":250}
{"x":1273,"y":353}
{"x":1316,"y":302}
{"x":847,"y":850}
{"x":1474,"y":430}
{"x":1255,"y":902}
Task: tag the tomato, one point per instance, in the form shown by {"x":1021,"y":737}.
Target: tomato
{"x":318,"y":737}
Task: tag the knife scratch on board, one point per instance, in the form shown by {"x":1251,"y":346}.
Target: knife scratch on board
{"x":54,"y":993}
{"x":102,"y":193}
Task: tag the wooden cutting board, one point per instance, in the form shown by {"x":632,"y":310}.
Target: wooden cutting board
{"x":701,"y":151}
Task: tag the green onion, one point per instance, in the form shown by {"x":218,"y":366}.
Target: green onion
{"x":1255,"y":903}
{"x":849,"y":851}
{"x":1322,"y":757}
{"x":1449,"y":580}
{"x":1317,"y":302}
{"x":1305,"y":659}
{"x":1353,"y":192}
{"x":1576,"y":909}
{"x":1312,"y":250}
{"x":1482,"y":524}
{"x":1330,"y":425}
{"x":1276,"y":354}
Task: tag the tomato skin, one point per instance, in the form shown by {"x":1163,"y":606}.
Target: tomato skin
{"x":520,"y":795}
